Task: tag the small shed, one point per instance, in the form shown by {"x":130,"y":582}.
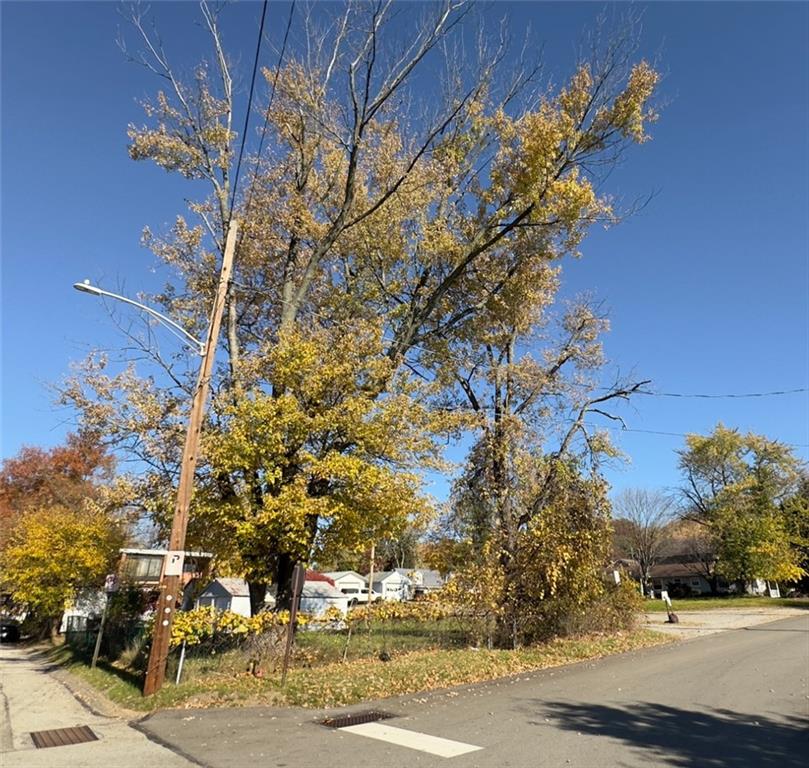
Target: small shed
{"x":392,"y":585}
{"x":226,"y":594}
{"x":318,"y":596}
{"x":348,"y":582}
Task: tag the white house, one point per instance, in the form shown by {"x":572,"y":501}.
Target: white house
{"x":349,"y":583}
{"x":226,"y":594}
{"x":318,"y":596}
{"x":88,"y":603}
{"x":392,"y":585}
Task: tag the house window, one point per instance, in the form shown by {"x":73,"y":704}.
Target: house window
{"x":694,"y":582}
{"x":143,"y":567}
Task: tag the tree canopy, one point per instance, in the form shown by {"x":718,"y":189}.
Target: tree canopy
{"x":395,"y":247}
{"x":736,"y":485}
{"x":66,"y":523}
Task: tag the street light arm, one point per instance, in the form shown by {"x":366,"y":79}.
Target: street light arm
{"x":87,"y":287}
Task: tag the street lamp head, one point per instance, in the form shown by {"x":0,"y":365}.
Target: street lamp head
{"x":87,"y":287}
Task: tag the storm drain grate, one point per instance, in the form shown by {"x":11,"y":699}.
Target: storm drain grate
{"x":356,"y":719}
{"x":62,"y":737}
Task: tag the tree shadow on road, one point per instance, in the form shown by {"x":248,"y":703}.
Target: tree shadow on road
{"x":710,"y":739}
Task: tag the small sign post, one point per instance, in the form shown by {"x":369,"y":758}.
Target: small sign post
{"x":110,"y":586}
{"x":298,"y":577}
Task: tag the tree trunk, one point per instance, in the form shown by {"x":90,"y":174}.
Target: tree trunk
{"x":283,"y":578}
{"x":258,"y":591}
{"x":53,"y":628}
{"x":507,"y":635}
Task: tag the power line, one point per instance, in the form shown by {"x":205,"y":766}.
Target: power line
{"x":725,"y":395}
{"x":647,"y":392}
{"x":672,"y":434}
{"x":249,"y":106}
{"x":252,"y":186}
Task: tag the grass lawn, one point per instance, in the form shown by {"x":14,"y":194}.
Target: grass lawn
{"x":726,"y":601}
{"x":338,"y":684}
{"x":394,"y":636}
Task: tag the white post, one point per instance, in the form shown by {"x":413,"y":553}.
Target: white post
{"x":180,"y":664}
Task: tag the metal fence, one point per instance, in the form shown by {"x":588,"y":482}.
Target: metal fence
{"x":81,"y":633}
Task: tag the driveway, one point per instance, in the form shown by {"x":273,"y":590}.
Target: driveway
{"x":699,"y":623}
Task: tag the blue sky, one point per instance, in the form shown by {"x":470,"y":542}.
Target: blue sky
{"x":708,"y":285}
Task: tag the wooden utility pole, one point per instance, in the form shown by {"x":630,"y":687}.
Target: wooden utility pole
{"x":171,"y":578}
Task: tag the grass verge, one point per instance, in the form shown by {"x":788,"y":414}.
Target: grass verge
{"x":728,"y":601}
{"x":360,"y":680}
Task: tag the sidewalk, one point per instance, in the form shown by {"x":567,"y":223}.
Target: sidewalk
{"x":33,"y":700}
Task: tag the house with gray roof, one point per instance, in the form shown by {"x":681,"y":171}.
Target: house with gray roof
{"x":391,"y":585}
{"x":422,"y":580}
{"x":226,"y":594}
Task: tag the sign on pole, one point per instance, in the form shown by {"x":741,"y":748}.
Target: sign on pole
{"x":174,"y":563}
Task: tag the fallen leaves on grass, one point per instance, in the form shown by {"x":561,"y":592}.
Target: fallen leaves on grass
{"x":343,"y":684}
{"x":339,"y":684}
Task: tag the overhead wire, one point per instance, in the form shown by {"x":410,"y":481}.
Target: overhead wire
{"x":646,"y":392}
{"x":773,"y":393}
{"x":249,"y":107}
{"x":673,"y":434}
{"x":251,"y":187}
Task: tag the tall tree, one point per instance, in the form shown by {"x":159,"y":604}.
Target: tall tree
{"x":796,"y":518}
{"x":65,"y":523}
{"x":642,"y":527}
{"x":65,"y":475}
{"x":736,"y":486}
{"x":378,"y":204}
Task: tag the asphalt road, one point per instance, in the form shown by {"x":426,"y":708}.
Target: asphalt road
{"x":733,"y":700}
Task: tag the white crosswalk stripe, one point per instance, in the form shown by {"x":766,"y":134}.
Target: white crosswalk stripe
{"x":423,"y":742}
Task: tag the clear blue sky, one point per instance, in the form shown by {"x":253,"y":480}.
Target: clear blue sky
{"x":708,"y":286}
